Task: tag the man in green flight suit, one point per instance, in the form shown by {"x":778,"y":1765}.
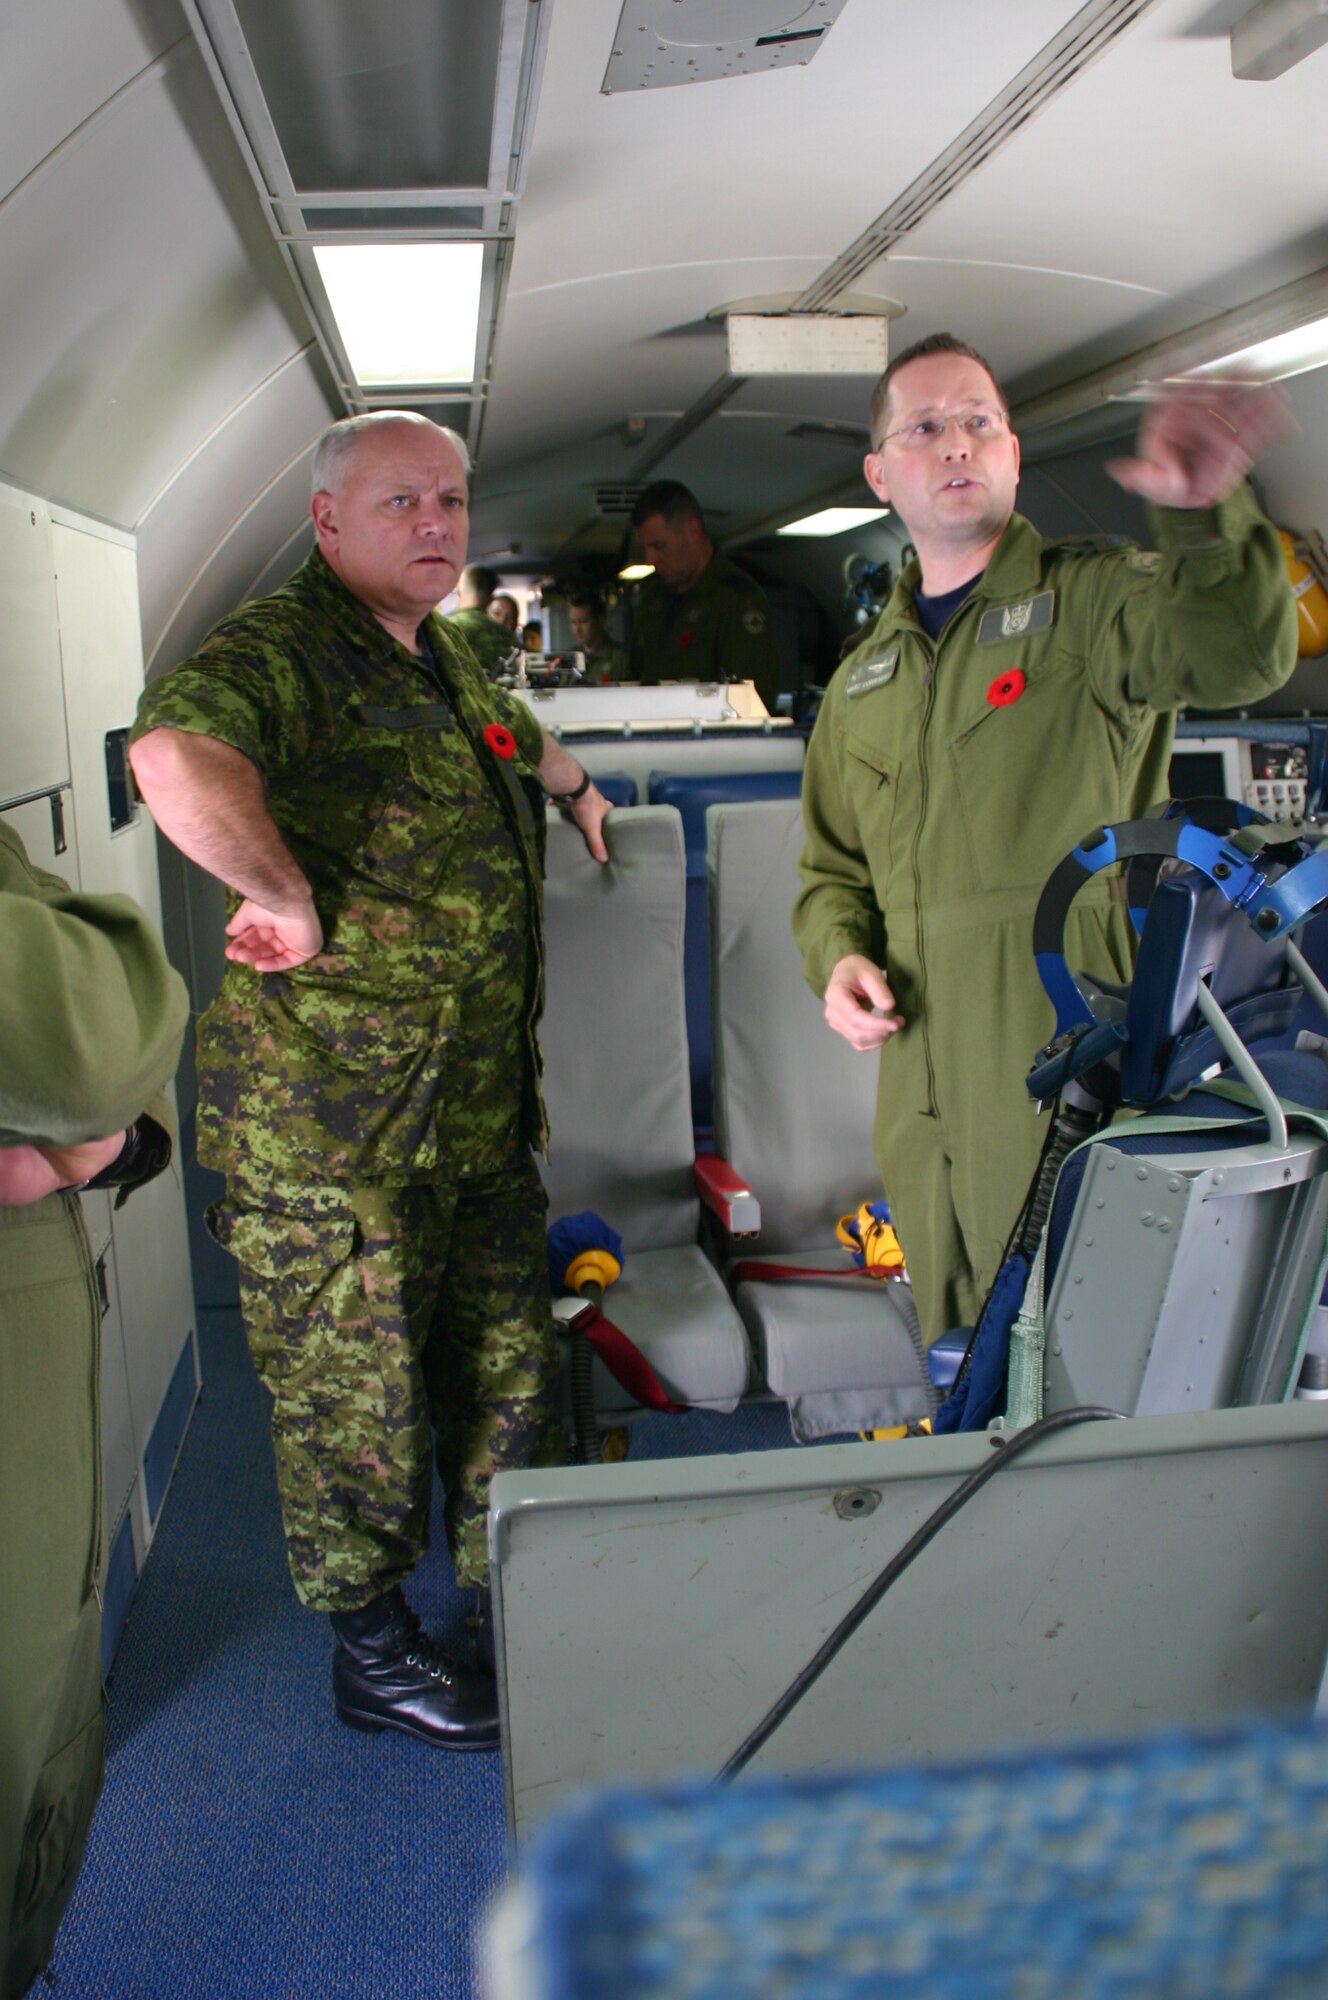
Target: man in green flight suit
{"x":91,"y":1017}
{"x":491,"y":641}
{"x":1013,"y":694}
{"x":700,"y":618}
{"x":606,"y":660}
{"x":369,"y":1073}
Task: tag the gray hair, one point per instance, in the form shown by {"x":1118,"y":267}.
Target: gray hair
{"x":340,"y":441}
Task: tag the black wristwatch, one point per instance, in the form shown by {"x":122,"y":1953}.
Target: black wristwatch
{"x":145,"y":1150}
{"x":570,"y":798}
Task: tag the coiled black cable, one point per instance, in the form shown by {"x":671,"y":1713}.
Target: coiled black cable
{"x":1061,"y":1420}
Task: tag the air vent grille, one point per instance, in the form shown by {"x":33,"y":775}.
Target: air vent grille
{"x":616,"y":498}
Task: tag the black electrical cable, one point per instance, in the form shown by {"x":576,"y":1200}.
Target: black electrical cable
{"x":1060,"y":1420}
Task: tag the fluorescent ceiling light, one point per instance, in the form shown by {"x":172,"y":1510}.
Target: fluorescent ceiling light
{"x":636,"y":572}
{"x":834,"y":521}
{"x":407,"y":313}
{"x":1274,"y":360}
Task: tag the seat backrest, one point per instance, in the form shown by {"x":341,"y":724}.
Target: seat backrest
{"x":794,"y":1104}
{"x":693,"y":793}
{"x":614,"y":1033}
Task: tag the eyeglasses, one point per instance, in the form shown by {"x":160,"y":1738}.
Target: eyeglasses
{"x":975,"y":424}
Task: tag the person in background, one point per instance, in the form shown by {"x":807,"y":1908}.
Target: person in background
{"x":699,"y":617}
{"x":369,"y":1072}
{"x":91,"y":1018}
{"x":504,"y":611}
{"x":489,"y":640}
{"x":1013,"y":694}
{"x":606,"y":660}
{"x":532,"y":636}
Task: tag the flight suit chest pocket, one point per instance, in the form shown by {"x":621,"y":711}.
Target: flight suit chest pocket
{"x":427,"y":789}
{"x":1019,"y":765}
{"x":871,"y":775}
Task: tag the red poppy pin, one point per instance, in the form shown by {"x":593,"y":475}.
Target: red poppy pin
{"x":1007,"y":687}
{"x":501,"y":741}
{"x":684,"y":638}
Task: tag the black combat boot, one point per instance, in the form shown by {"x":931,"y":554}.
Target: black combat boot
{"x":387,"y":1674}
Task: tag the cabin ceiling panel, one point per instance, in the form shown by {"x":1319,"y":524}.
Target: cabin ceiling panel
{"x":1153,"y":122}
{"x":138,"y":317}
{"x":60,"y":60}
{"x":182,"y":535}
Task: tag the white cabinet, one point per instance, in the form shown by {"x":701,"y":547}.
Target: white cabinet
{"x":34,"y":756}
{"x":71,"y":669}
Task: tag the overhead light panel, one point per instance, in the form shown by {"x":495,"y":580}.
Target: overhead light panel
{"x":636,"y":572}
{"x":807,"y":343}
{"x":1276,"y":35}
{"x":834,"y":521}
{"x":407,"y":313}
{"x":1276,"y":359}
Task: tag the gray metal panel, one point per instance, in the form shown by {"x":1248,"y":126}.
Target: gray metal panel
{"x":1121,"y":1577}
{"x":1186,"y":1280}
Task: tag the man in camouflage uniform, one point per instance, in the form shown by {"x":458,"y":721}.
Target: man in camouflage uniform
{"x":369,"y":1073}
{"x":700,"y":618}
{"x":491,"y":640}
{"x":1013,"y":694}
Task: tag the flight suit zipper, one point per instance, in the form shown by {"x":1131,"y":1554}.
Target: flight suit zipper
{"x":924,"y":790}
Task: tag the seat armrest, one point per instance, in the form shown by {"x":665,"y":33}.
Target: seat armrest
{"x":727,"y":1195}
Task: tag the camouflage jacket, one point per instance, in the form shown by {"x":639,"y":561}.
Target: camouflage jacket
{"x":491,"y":643}
{"x":406,"y":789}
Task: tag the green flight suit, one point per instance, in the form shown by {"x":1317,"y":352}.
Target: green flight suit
{"x":944,"y":781}
{"x":491,"y":643}
{"x":91,"y":1017}
{"x":607,"y":663}
{"x":374,"y":1106}
{"x":717,"y":630}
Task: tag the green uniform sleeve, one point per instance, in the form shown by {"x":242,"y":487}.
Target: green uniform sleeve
{"x":1206,"y":620}
{"x":91,"y":1013}
{"x":836,"y":911}
{"x":247,"y":687}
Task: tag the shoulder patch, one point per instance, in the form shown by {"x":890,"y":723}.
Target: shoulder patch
{"x":1016,"y":621}
{"x":872,"y":673}
{"x":753,"y":621}
{"x":1146,"y":560}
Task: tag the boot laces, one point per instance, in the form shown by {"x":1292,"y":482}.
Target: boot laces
{"x":422,"y":1651}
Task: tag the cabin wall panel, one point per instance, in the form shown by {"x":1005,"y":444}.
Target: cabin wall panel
{"x":61,"y":60}
{"x":138,"y":315}
{"x":205,"y":518}
{"x":255,"y":554}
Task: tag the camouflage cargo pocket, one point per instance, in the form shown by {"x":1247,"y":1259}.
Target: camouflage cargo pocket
{"x":420,"y":815}
{"x":353,"y":1078}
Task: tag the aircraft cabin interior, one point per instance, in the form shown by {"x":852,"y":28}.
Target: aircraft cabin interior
{"x":605,"y":244}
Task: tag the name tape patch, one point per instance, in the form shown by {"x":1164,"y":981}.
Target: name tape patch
{"x":873,"y":673}
{"x":1016,"y":621}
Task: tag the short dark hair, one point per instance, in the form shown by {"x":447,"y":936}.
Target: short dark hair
{"x":591,"y":599}
{"x":476,"y":577}
{"x":671,"y":499}
{"x":935,"y":343}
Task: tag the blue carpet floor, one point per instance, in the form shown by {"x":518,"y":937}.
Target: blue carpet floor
{"x":247,"y":1844}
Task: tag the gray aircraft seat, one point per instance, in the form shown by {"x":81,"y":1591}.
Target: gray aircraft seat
{"x":616,"y":1083}
{"x":793,"y":1117}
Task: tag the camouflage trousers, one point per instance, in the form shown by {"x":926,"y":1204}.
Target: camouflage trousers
{"x":383,"y":1318}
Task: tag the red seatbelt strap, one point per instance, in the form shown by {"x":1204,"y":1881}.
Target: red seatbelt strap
{"x":750,"y":1270}
{"x":627,"y":1364}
